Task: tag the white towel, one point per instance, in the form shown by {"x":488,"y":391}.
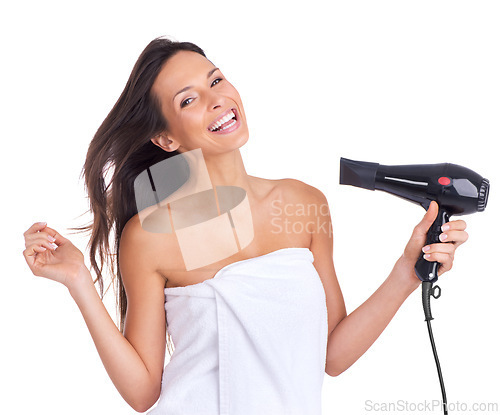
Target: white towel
{"x":250,"y":341}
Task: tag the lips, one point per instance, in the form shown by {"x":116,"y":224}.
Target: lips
{"x":225,"y":123}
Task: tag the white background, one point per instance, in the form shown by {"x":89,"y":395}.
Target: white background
{"x":394,"y":82}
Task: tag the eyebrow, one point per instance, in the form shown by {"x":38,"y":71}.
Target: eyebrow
{"x":210,"y":72}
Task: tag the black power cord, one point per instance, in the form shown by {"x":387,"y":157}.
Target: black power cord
{"x":427,"y":291}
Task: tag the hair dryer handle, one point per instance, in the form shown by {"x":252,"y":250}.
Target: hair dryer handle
{"x":425,"y":270}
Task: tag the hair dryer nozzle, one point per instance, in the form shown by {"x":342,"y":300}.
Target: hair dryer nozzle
{"x":358,"y":173}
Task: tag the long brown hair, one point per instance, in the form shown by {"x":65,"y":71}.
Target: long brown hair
{"x":122,"y":144}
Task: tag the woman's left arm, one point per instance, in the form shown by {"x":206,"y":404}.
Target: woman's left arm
{"x":350,"y":336}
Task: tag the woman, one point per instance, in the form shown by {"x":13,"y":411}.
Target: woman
{"x":175,"y":102}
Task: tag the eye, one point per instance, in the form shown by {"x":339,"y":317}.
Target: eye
{"x":186,"y":102}
{"x":216,"y":81}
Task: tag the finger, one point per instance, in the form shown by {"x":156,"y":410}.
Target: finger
{"x":41,"y":238}
{"x":455,"y":225}
{"x":34,"y":249}
{"x":456,"y":237}
{"x":439,"y":248}
{"x":58,"y":238}
{"x":37,"y":226}
{"x":30,"y":254}
{"x":49,"y":234}
{"x":428,"y":219}
{"x":445,"y":259}
{"x":419,"y":235}
{"x":442,"y":253}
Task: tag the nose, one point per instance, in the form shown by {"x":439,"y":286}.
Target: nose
{"x":215,"y":100}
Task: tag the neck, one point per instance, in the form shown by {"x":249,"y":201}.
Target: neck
{"x":228,"y":170}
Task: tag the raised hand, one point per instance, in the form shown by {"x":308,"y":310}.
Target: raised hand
{"x":50,"y":255}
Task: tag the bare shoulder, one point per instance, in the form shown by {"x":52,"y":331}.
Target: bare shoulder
{"x":145,"y":249}
{"x":134,"y":237}
{"x":134,"y":252}
{"x":292,"y":194}
{"x":301,"y":192}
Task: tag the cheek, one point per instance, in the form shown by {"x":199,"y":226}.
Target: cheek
{"x":233,"y":93}
{"x":179,"y":120}
{"x":191,"y":120}
{"x":187,"y":125}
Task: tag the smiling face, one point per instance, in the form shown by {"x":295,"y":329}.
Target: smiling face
{"x":202,"y":109}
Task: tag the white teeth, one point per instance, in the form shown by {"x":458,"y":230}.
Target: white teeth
{"x":223,"y":120}
{"x":229,"y":125}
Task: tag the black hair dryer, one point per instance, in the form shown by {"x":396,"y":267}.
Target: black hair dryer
{"x":457,"y":190}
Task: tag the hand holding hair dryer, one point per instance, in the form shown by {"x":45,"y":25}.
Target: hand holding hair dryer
{"x":457,"y":190}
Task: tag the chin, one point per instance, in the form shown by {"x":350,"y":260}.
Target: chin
{"x":244,"y":139}
{"x":228,"y":144}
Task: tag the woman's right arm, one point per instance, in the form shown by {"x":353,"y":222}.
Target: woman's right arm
{"x":134,"y":361}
